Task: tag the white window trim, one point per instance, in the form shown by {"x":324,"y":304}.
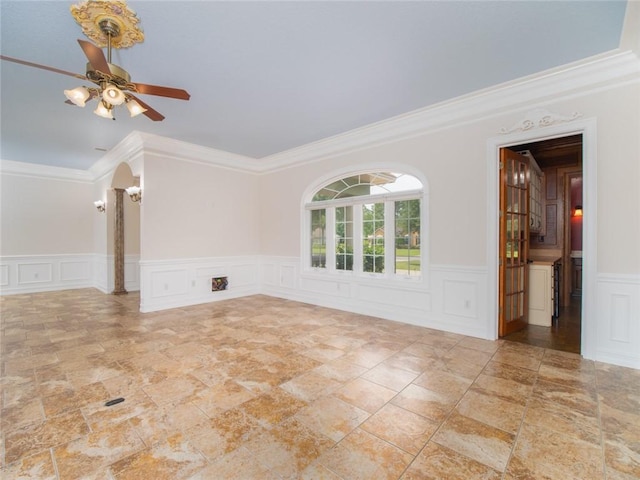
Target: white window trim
{"x":356,"y":202}
{"x":409,"y":282}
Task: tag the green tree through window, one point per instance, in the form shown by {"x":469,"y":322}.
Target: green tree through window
{"x":350,"y":218}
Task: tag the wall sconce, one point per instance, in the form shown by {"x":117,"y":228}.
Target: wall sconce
{"x":135,"y":193}
{"x":100,"y":205}
{"x":577,"y":212}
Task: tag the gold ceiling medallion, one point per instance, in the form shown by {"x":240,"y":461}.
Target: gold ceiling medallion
{"x":105,"y":21}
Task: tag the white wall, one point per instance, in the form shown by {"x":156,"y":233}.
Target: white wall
{"x":194,"y":210}
{"x":41,"y":216}
{"x":53,"y":237}
{"x":198,"y":221}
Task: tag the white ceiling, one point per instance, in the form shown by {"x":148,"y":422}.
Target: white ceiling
{"x":266,"y":76}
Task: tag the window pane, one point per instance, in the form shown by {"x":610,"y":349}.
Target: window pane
{"x":318,"y":238}
{"x":407,"y":251}
{"x":344,"y":238}
{"x":373,"y":237}
{"x":366,"y":184}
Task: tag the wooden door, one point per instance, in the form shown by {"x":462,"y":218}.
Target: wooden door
{"x":514,"y":237}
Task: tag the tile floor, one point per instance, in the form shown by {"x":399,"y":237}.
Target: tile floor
{"x":264,"y":388}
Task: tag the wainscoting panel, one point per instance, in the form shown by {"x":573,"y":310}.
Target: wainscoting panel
{"x":451,"y":299}
{"x":168,"y":283}
{"x":42,"y":273}
{"x":4,"y":275}
{"x":618,"y":332}
{"x":75,"y":271}
{"x":182,"y":282}
{"x":29,"y":273}
{"x":460,"y":298}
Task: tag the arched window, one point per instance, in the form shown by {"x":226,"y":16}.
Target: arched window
{"x":367,"y":223}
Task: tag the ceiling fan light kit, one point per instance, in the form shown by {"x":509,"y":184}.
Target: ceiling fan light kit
{"x":104,"y":110}
{"x":134,"y":107}
{"x":110,"y":24}
{"x":113,"y":95}
{"x":78,"y":96}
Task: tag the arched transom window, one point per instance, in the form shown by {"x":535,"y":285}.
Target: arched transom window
{"x":368,"y":223}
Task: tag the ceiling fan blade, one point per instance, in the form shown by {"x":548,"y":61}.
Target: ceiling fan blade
{"x":162,"y":91}
{"x":43,"y":67}
{"x":150,"y":113}
{"x":95,"y":56}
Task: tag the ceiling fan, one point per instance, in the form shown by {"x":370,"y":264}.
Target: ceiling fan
{"x":112,"y":24}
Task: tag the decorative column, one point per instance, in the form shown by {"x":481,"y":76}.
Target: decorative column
{"x":118,"y":248}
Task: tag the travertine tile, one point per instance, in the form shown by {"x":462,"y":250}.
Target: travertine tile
{"x":288,"y":448}
{"x":476,"y":440}
{"x":422,"y":401}
{"x":36,"y":437}
{"x":310,"y":386}
{"x":35,"y":467}
{"x":96,"y":451}
{"x":492,"y":410}
{"x":223,"y":433}
{"x":172,"y":458}
{"x":508,"y":390}
{"x":446,"y":384}
{"x":260,"y":387}
{"x":436,"y":462}
{"x":332,"y":417}
{"x":364,"y":456}
{"x":239,"y":464}
{"x":402,"y":428}
{"x":364,"y":394}
{"x":545,"y":454}
{"x":391,"y":377}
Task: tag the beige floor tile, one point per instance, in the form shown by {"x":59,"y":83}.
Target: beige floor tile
{"x":310,"y":386}
{"x":272,"y":408}
{"x":239,"y":464}
{"x":36,"y":437}
{"x":391,"y":377}
{"x":476,"y":440}
{"x":622,"y":458}
{"x":547,"y":455}
{"x":402,"y":428}
{"x":222,"y":397}
{"x":172,"y":458}
{"x":492,"y":410}
{"x":223,"y":433}
{"x":288,"y":448}
{"x":422,"y":401}
{"x":508,"y":390}
{"x":436,"y":462}
{"x":35,"y":467}
{"x":260,"y":387}
{"x":332,"y":417}
{"x":553,"y":416}
{"x":365,"y":394}
{"x":21,"y":414}
{"x":364,"y":456}
{"x":96,"y":451}
{"x":446,"y":384}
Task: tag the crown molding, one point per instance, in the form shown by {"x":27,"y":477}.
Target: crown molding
{"x":597,"y":73}
{"x":34,"y":170}
{"x":168,"y":147}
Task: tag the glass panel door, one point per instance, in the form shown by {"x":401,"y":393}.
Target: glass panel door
{"x":514,"y":236}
